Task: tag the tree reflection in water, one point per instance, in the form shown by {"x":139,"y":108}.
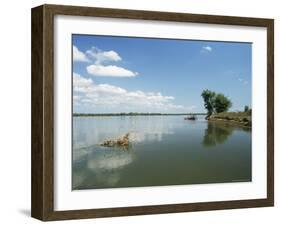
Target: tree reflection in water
{"x":216,"y":133}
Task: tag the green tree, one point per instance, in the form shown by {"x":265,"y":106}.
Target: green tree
{"x":209,"y":101}
{"x":222,"y":103}
{"x":246,"y":108}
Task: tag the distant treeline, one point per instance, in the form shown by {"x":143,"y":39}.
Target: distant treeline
{"x":131,"y":114}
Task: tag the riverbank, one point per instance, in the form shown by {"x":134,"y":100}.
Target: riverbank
{"x":238,"y":118}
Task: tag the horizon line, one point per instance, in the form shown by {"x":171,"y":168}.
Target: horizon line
{"x":130,"y":113}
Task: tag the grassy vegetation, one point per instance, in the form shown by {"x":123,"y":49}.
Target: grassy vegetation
{"x":239,"y":118}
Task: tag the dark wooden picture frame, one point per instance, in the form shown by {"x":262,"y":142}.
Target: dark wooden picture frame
{"x":42,"y":203}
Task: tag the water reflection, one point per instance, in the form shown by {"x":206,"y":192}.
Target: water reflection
{"x":94,"y":130}
{"x":218,"y":132}
{"x":102,"y":165}
{"x":107,"y":160}
{"x":163,"y":151}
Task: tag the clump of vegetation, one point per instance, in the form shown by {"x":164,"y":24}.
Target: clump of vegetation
{"x":247,"y":109}
{"x":222,"y":103}
{"x":120,"y":142}
{"x":215,"y":102}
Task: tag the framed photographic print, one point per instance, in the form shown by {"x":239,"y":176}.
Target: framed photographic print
{"x":141,"y":112}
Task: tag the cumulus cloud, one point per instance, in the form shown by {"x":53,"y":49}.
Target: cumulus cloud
{"x":100,"y":56}
{"x":100,"y":60}
{"x":78,"y":55}
{"x":81,"y":84}
{"x":206,"y":49}
{"x":92,"y":95}
{"x":110,"y":70}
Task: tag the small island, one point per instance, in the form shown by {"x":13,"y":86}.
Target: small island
{"x":217,"y":106}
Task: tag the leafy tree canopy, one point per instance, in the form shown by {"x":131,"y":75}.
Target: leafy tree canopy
{"x":214,"y":102}
{"x":209,"y":100}
{"x":222,"y":103}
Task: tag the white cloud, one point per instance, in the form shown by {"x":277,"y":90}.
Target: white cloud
{"x":81,"y":84}
{"x":207,"y":49}
{"x":105,"y":88}
{"x":93,"y":96}
{"x":100,"y":58}
{"x":103,"y":56}
{"x":78,"y":55}
{"x":110,"y":70}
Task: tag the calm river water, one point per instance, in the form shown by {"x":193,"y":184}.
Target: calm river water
{"x":164,"y":150}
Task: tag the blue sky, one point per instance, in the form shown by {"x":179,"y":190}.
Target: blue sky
{"x":121,"y":74}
